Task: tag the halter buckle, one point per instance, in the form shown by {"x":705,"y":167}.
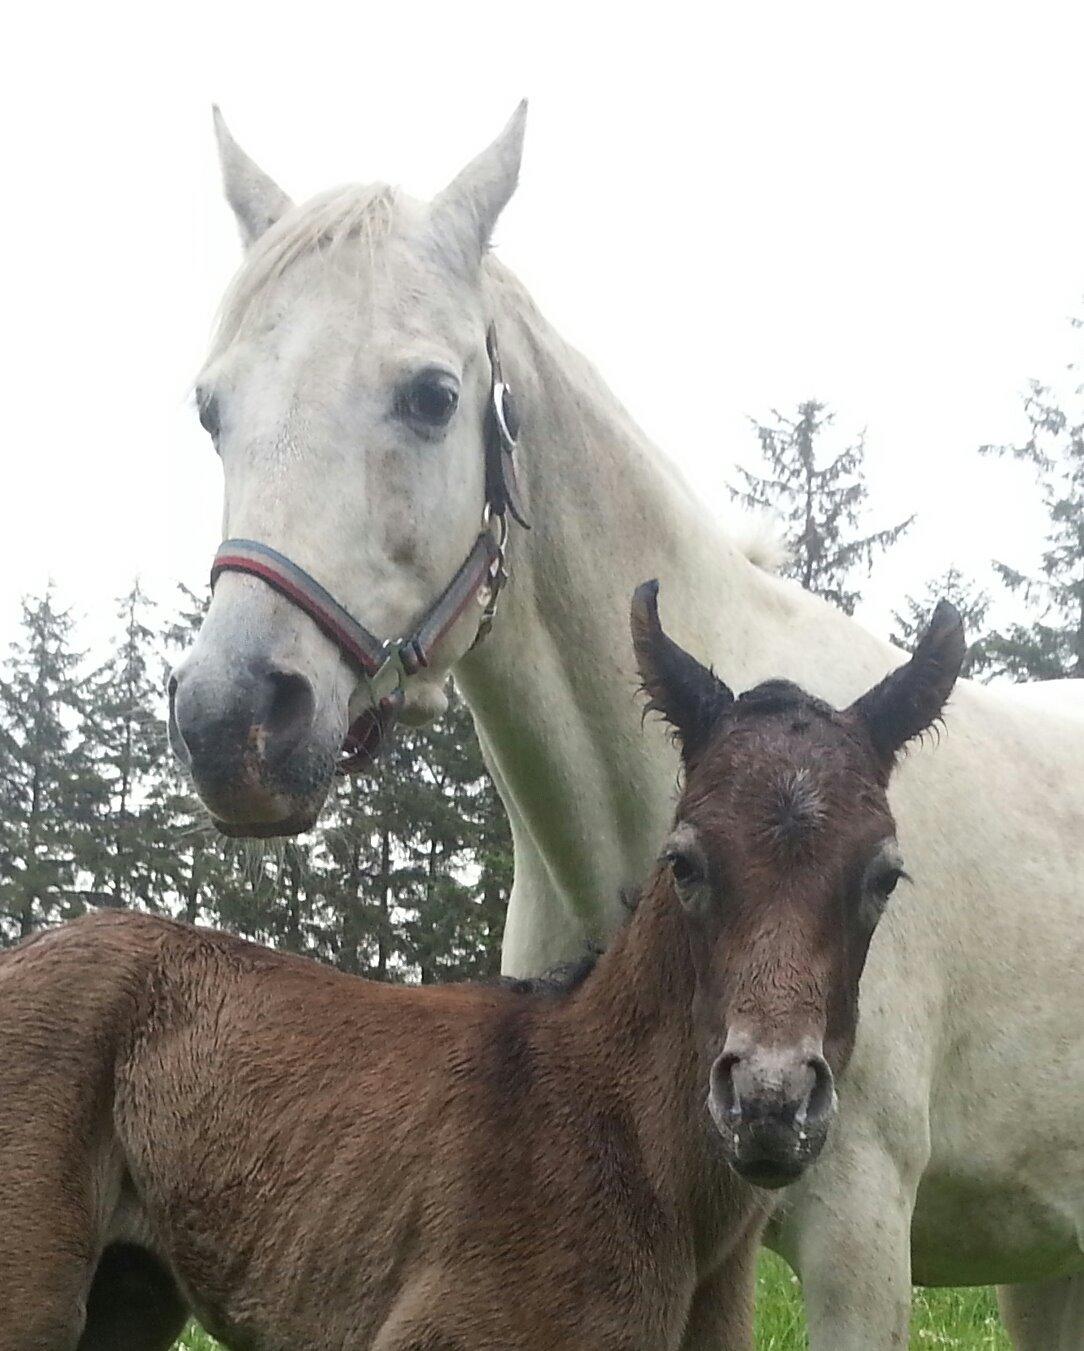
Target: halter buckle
{"x":390,"y":675}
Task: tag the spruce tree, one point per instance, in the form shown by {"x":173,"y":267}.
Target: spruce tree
{"x":821,"y":502}
{"x":125,"y":733}
{"x":366,"y":861}
{"x":48,"y":790}
{"x":972,"y":603}
{"x":413,"y":859}
{"x":200,"y":881}
{"x":405,"y":877}
{"x":1053,"y":646}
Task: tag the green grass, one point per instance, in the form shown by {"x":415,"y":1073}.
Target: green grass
{"x":964,"y":1319}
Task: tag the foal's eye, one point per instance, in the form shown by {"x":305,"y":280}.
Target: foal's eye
{"x":887,"y":884}
{"x":431,"y":398}
{"x":886,"y":879}
{"x":883,"y":874}
{"x":684,"y":855}
{"x":687,"y":870}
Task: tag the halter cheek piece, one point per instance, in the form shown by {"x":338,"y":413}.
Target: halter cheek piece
{"x":384,"y":664}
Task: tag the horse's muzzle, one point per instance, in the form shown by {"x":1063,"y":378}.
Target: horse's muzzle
{"x":249,"y":743}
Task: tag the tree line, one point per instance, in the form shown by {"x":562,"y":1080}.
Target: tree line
{"x":407,"y":875}
{"x":822,"y":501}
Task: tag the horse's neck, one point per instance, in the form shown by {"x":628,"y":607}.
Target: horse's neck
{"x":553,"y":689}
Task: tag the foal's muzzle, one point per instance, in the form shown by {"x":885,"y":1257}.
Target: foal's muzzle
{"x":772,"y":1106}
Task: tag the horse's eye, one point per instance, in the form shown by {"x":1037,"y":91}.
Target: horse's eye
{"x":431,"y":398}
{"x":207,"y":406}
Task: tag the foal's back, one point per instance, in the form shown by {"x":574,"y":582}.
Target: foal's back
{"x":281,"y":1137}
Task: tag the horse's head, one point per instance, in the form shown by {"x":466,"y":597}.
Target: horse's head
{"x":783,"y":857}
{"x":349,"y":395}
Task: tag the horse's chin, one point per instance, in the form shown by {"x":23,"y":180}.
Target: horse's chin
{"x":366,"y":739}
{"x":424,"y":702}
{"x":267,"y":830}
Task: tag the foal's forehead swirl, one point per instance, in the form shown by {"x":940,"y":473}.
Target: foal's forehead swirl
{"x":786,"y":758}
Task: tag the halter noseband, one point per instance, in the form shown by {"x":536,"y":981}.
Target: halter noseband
{"x":384,"y":664}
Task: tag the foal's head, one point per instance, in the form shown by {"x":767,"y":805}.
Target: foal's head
{"x":783,"y":857}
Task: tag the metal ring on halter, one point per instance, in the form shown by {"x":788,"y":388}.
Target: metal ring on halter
{"x":500,"y":389}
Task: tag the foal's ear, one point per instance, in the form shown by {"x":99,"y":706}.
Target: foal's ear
{"x":257,"y":200}
{"x":462,"y":217}
{"x":688,"y":695}
{"x":913,"y":697}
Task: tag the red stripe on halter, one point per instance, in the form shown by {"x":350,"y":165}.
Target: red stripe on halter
{"x":301,"y":598}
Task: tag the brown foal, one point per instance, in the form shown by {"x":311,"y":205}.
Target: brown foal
{"x":304,"y":1159}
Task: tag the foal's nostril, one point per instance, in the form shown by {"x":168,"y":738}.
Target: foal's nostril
{"x":289,"y":713}
{"x":724,"y":1095}
{"x":818,"y":1105}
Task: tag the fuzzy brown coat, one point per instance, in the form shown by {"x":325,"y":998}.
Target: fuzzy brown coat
{"x":309,"y":1160}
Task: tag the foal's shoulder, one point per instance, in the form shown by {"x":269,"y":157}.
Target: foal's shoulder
{"x":94,"y":938}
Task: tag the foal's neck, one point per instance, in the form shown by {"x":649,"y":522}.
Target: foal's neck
{"x":634,"y":1015}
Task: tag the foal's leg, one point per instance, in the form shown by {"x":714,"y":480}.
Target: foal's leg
{"x":721,"y":1318}
{"x":45,"y":1261}
{"x":134,"y":1303}
{"x":1044,"y":1315}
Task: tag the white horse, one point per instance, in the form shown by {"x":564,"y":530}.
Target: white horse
{"x":347,"y":392}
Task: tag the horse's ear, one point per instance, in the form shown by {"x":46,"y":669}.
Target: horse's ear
{"x":257,"y":200}
{"x":912,"y":698}
{"x":688,"y":695}
{"x":462,"y":217}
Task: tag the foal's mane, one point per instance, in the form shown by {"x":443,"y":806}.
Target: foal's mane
{"x":780,"y":696}
{"x":559,"y":980}
{"x":566,"y":977}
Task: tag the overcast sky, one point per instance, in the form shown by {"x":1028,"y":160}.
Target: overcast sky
{"x":728,"y":207}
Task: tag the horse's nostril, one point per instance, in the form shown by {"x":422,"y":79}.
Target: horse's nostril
{"x":290,"y":711}
{"x":171,"y":689}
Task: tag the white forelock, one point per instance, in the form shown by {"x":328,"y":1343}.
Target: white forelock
{"x":363,"y":212}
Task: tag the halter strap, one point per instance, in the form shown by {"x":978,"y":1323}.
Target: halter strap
{"x":372,"y":657}
{"x":284,"y":576}
{"x":385,"y":663}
